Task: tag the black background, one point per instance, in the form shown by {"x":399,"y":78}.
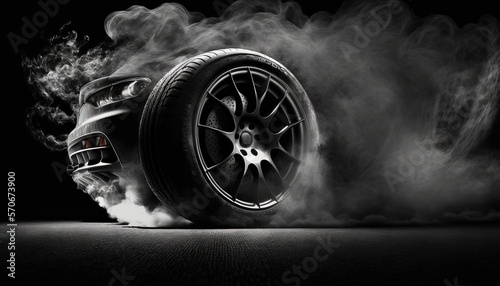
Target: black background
{"x":44,"y":192}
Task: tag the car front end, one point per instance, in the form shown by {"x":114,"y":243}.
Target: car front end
{"x":104,"y":140}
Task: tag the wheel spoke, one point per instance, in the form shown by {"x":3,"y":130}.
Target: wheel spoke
{"x":270,"y":191}
{"x":256,"y":97}
{"x":257,"y":188}
{"x":224,"y":161}
{"x":288,"y":154}
{"x":277,"y":171}
{"x":267,"y":185}
{"x":240,"y":180}
{"x":265,"y":91}
{"x":225,"y":106}
{"x":288,"y":127}
{"x":270,"y":116}
{"x":240,"y":95}
{"x":227,"y":134}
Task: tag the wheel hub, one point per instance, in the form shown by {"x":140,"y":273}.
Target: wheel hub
{"x":246,"y":139}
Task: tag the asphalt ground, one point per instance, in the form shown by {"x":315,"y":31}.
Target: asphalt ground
{"x":88,"y":253}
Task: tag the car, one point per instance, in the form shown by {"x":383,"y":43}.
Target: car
{"x":229,"y":133}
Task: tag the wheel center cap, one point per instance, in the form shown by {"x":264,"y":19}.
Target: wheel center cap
{"x":246,"y":139}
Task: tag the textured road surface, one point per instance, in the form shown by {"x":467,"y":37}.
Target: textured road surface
{"x":78,"y":253}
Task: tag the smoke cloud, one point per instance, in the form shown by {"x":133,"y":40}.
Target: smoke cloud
{"x":129,"y":200}
{"x":56,"y":76}
{"x":405,"y":105}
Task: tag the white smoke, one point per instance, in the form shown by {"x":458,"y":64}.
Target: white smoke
{"x":56,"y":76}
{"x":128,"y":200}
{"x":378,"y":77}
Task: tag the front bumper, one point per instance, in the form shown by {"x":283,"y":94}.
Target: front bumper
{"x":105,"y":139}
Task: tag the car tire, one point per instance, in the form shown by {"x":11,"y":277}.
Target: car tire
{"x":226,"y":136}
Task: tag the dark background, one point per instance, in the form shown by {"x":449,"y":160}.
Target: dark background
{"x":44,"y":190}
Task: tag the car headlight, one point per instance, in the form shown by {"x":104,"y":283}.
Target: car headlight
{"x":119,"y":91}
{"x":133,"y":89}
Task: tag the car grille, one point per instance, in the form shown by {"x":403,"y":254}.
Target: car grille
{"x":92,"y":152}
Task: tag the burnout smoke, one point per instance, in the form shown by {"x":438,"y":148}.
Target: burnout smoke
{"x":404,"y":104}
{"x":128,"y":200}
